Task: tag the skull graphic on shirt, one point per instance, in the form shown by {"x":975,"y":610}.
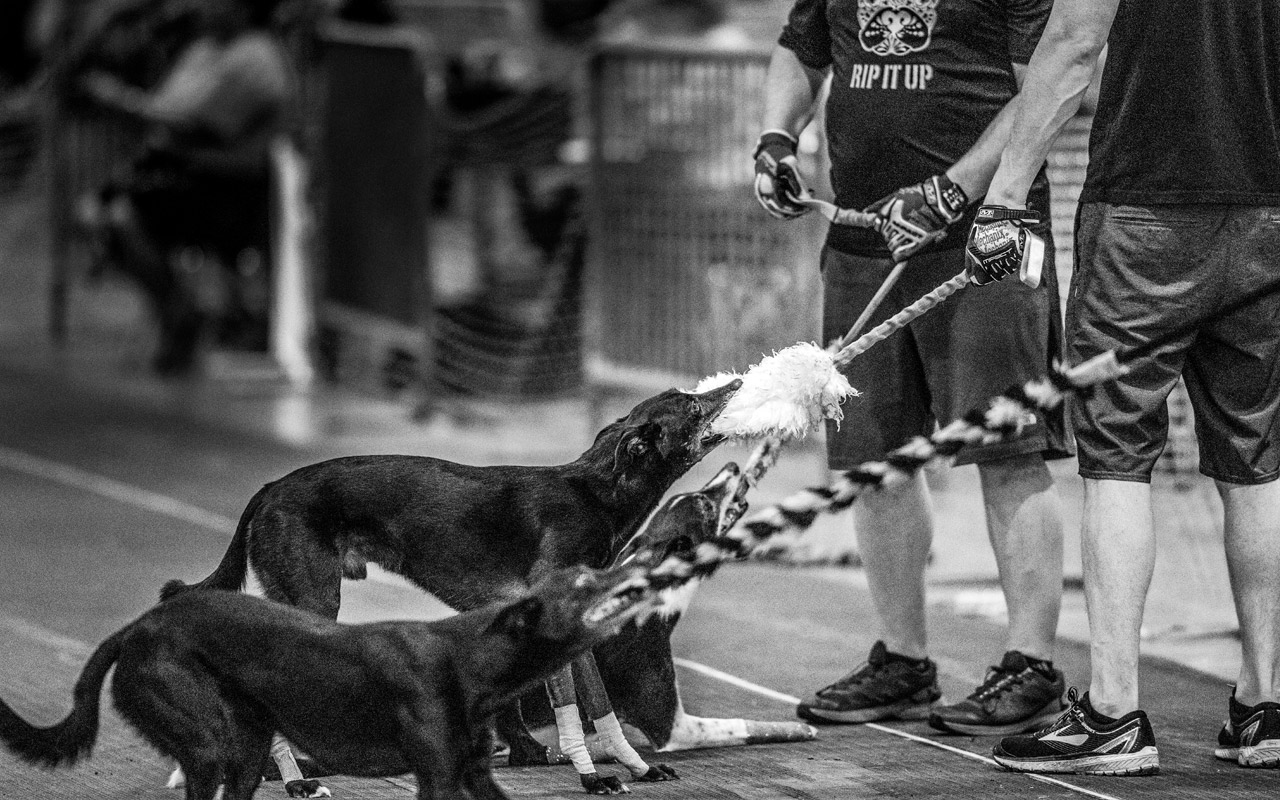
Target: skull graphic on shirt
{"x":896,"y":27}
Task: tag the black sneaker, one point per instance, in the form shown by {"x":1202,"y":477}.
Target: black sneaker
{"x":1084,"y":742}
{"x":1015,"y":698}
{"x":1251,"y":735}
{"x":886,"y":687}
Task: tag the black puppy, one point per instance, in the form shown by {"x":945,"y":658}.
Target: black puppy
{"x":469,"y":535}
{"x":207,"y":678}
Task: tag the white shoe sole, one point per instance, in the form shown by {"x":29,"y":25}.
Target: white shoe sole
{"x":1265,"y":755}
{"x":1144,"y":762}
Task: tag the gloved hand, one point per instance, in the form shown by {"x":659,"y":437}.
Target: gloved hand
{"x":916,"y":216}
{"x":778,"y":175}
{"x":999,"y":244}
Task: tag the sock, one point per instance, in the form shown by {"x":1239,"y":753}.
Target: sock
{"x":1097,"y":716}
{"x":1041,"y":666}
{"x":916,"y":663}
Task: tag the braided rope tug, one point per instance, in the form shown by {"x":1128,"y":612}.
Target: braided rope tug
{"x":1005,"y":417}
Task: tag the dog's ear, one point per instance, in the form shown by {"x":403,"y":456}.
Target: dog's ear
{"x":631,"y":446}
{"x":519,"y":619}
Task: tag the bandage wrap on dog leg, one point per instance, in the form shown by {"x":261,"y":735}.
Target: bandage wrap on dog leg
{"x":616,"y":744}
{"x":283,"y":756}
{"x":573,"y":742}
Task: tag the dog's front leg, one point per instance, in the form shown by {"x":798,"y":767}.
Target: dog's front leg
{"x":595,"y":701}
{"x":524,"y":749}
{"x":573,"y":742}
{"x":478,"y":777}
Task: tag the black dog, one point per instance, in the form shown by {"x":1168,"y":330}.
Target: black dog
{"x":208,"y":678}
{"x":469,"y":535}
{"x":636,"y":665}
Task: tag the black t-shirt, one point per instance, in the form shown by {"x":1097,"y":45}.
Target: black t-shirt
{"x":1189,"y":108}
{"x":915,"y":84}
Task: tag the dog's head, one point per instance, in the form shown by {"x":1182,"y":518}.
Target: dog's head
{"x":668,"y":433}
{"x":688,"y":519}
{"x":682,"y":523}
{"x":571,"y":609}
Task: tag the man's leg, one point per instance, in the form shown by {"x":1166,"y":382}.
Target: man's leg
{"x":895,"y":528}
{"x":1119,"y":550}
{"x":1104,"y":733}
{"x":1252,"y":531}
{"x":895,"y":531}
{"x":1024,"y":521}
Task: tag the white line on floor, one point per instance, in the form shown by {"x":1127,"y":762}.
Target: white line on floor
{"x":111,"y":489}
{"x":136,"y":496}
{"x":743,"y":683}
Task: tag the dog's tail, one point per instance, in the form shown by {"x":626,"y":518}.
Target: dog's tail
{"x":73,"y":738}
{"x":234,"y":566}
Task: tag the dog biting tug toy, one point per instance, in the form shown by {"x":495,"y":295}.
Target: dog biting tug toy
{"x":787,"y":394}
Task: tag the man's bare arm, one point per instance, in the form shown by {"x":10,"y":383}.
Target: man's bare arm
{"x":1056,"y":80}
{"x":973,"y":170}
{"x":791,"y":92}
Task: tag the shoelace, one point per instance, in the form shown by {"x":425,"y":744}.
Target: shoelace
{"x":998,"y":682}
{"x":1074,"y":710}
{"x":865,"y":672}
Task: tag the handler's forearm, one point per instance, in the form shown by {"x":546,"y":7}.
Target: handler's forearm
{"x":791,"y":90}
{"x":973,"y":171}
{"x":1056,"y":81}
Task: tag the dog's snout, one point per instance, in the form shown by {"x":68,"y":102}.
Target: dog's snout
{"x":724,"y":482}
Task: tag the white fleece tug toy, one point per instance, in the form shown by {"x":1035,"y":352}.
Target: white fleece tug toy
{"x":785,"y":395}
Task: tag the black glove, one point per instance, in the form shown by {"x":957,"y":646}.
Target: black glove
{"x":778,"y":180}
{"x":916,"y":216}
{"x":999,"y":244}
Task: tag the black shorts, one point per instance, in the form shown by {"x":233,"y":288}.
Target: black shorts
{"x":1141,"y":270}
{"x":949,"y":361}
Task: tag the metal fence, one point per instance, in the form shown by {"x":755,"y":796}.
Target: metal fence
{"x":687,"y":275}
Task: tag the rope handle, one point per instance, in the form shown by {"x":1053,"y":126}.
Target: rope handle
{"x":765,"y":454}
{"x":900,"y":320}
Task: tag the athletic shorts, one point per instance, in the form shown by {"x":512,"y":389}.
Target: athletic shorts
{"x":1143,"y":270}
{"x":949,"y":361}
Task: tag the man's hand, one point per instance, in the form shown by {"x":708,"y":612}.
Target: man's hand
{"x":999,"y":245}
{"x":916,"y":216}
{"x":778,"y":180}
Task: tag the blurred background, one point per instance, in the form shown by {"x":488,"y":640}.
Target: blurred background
{"x":441,"y":199}
{"x":477,"y":229}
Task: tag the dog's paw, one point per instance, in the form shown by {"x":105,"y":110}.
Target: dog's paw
{"x":535,"y":757}
{"x":596,"y":783}
{"x":307,"y":789}
{"x":657,"y":773}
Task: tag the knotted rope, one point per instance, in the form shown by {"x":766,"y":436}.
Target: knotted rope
{"x":1004,"y":418}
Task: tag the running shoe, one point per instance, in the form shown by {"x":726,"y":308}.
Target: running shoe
{"x":1015,"y":698}
{"x":1251,"y":735}
{"x":1084,"y":742}
{"x":887,"y":686}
